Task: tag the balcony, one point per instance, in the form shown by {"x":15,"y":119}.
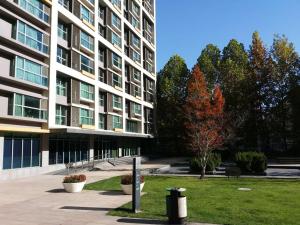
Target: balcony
{"x":31,"y":37}
{"x":148,"y":6}
{"x":35,"y":8}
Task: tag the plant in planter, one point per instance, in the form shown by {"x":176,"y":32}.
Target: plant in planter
{"x":126,"y":184}
{"x":74,"y":183}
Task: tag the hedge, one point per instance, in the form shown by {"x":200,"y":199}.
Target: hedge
{"x":251,"y":162}
{"x":214,"y":161}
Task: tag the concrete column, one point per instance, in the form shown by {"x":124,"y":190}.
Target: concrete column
{"x":1,"y":151}
{"x":45,"y":150}
{"x":139,"y":151}
{"x":91,"y":147}
{"x":120,"y":152}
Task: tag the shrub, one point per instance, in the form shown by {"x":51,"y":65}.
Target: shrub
{"x":251,"y":162}
{"x":75,"y":178}
{"x":213,"y":161}
{"x":128,"y":179}
{"x":232,"y":171}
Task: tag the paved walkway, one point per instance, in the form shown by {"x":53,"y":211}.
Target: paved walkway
{"x":40,"y":200}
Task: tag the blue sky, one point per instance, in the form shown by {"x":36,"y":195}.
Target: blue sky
{"x":185,"y":27}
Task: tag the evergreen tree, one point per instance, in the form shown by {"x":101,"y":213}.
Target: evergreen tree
{"x":209,"y":62}
{"x":204,"y":118}
{"x":171,"y":94}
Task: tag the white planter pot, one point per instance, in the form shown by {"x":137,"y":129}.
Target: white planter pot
{"x":127,"y":189}
{"x":74,"y":187}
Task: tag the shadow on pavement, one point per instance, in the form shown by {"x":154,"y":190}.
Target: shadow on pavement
{"x":114,"y":192}
{"x":140,"y":221}
{"x":86,"y":208}
{"x":57,"y":190}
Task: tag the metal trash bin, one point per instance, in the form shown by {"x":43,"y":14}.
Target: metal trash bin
{"x":176,"y":206}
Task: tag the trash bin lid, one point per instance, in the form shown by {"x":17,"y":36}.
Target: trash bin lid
{"x":176,"y":189}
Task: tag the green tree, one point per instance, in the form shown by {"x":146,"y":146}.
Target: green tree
{"x":284,"y":79}
{"x":233,"y":70}
{"x":256,"y":126}
{"x":171,"y":95}
{"x":209,"y":62}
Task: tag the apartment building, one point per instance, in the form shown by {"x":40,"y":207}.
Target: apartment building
{"x":77,"y":82}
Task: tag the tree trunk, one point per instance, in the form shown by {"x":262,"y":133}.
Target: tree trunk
{"x":202,"y":174}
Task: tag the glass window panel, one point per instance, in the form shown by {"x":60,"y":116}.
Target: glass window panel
{"x":26,"y":152}
{"x":78,"y":152}
{"x":72,"y":151}
{"x":66,"y":152}
{"x":7,"y":155}
{"x":60,"y":150}
{"x":17,"y":153}
{"x":35,"y":152}
{"x":31,"y":37}
{"x":31,"y":102}
{"x":116,"y":21}
{"x":52,"y":151}
{"x":86,"y":41}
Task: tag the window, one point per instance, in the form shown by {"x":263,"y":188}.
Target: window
{"x":35,"y":8}
{"x":134,"y":22}
{"x":136,"y":41}
{"x":116,"y":3}
{"x":101,"y":99}
{"x":102,"y":74}
{"x":86,"y":14}
{"x":27,"y":106}
{"x":117,"y":122}
{"x":101,"y":121}
{"x":31,"y":37}
{"x":135,"y":9}
{"x":137,"y":109}
{"x":115,"y":39}
{"x":65,"y":3}
{"x":91,"y":1}
{"x":102,"y":31}
{"x":61,"y":115}
{"x":148,"y":67}
{"x":62,"y":30}
{"x":132,"y":126}
{"x":127,"y":88}
{"x":126,"y":71}
{"x":61,"y":86}
{"x":117,"y":102}
{"x":136,"y":56}
{"x":137,"y":91}
{"x":116,"y":60}
{"x":21,"y":152}
{"x":115,"y":20}
{"x":65,"y":150}
{"x":136,"y":74}
{"x":127,"y":107}
{"x":86,"y":91}
{"x":117,"y":80}
{"x":62,"y":56}
{"x":86,"y":64}
{"x":151,"y":84}
{"x":30,"y":71}
{"x":86,"y":41}
{"x":101,"y":12}
{"x":101,"y":55}
{"x":86,"y":117}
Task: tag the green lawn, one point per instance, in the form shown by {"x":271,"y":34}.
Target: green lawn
{"x":217,"y":200}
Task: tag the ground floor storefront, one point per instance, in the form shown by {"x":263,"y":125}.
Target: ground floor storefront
{"x":24,"y":154}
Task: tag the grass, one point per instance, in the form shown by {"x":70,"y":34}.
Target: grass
{"x":217,"y":200}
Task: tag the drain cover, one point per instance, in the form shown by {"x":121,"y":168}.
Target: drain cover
{"x":244,"y":189}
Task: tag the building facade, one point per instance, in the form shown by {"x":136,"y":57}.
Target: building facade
{"x":77,"y":81}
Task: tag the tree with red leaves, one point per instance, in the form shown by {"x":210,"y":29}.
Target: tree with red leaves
{"x":205,"y":121}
